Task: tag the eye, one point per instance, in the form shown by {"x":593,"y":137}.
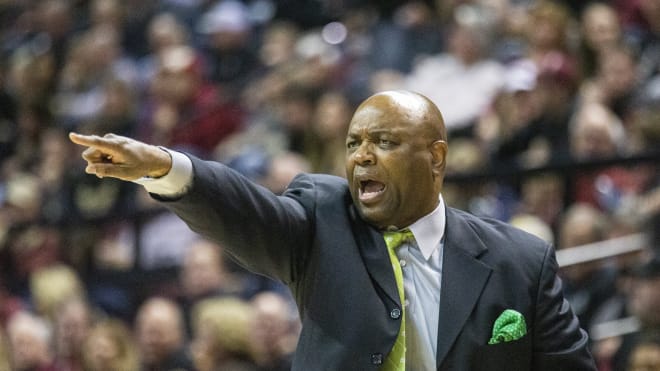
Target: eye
{"x":352,"y":144}
{"x":386,"y":143}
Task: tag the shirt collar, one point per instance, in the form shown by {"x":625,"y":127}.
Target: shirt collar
{"x":430,"y":229}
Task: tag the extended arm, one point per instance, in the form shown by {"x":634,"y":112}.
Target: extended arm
{"x":264,"y":232}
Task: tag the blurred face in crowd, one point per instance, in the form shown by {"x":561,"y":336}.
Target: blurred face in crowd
{"x":278,"y":44}
{"x":109,"y":347}
{"x":332,"y":116}
{"x":28,"y":342}
{"x":202,"y":269}
{"x":176,"y":80}
{"x":270,"y":324}
{"x":645,"y":357}
{"x":108,"y":12}
{"x":547,"y":25}
{"x":102,"y":351}
{"x":72,"y":325}
{"x":593,"y":133}
{"x":203,"y":349}
{"x":617,"y":73}
{"x":600,"y":26}
{"x":645,"y":300}
{"x":159,"y":330}
{"x":464,"y":43}
{"x":165,"y":31}
{"x":395,"y":157}
{"x":582,"y":225}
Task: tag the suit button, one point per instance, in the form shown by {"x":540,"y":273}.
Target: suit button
{"x":376,"y":359}
{"x":395,"y":313}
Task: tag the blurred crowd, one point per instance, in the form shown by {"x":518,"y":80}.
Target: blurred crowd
{"x":94,"y":275}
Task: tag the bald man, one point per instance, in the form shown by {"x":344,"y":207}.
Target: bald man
{"x":460,"y":294}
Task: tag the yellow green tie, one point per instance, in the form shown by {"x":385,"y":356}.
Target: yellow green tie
{"x":396,"y":360}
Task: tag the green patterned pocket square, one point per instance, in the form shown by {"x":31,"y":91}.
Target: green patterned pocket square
{"x":509,"y":326}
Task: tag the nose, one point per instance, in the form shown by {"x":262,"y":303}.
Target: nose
{"x":364,"y":154}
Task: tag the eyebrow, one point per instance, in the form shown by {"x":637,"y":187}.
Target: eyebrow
{"x":376,"y":132}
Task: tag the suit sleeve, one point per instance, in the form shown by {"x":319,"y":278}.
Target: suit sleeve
{"x":265,"y":233}
{"x":559,"y":342}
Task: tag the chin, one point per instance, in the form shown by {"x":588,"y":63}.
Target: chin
{"x":376,"y":218}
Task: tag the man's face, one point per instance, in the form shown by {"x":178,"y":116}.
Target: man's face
{"x":393,"y":160}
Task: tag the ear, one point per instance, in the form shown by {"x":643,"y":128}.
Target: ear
{"x":439,"y":156}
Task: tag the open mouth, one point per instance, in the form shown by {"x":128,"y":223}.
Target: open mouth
{"x":370,"y":190}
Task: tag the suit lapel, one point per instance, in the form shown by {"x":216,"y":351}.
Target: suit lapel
{"x":463,"y":279}
{"x":374,"y":253}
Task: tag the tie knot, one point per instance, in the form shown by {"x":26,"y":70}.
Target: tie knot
{"x":395,"y":239}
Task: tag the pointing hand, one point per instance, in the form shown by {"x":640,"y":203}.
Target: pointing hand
{"x":121,"y":157}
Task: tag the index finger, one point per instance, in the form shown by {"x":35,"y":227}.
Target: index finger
{"x":94,"y":141}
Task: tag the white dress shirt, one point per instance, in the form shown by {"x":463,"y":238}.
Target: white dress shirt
{"x":421,"y":263}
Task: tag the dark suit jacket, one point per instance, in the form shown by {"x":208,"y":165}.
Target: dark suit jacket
{"x":339,"y":272}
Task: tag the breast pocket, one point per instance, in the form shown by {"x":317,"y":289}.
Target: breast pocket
{"x":507,"y":356}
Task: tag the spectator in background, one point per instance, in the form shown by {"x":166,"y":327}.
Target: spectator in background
{"x":52,"y":286}
{"x":516,"y":118}
{"x":547,"y":31}
{"x":601,"y":30}
{"x":184,"y":109}
{"x":274,"y":332}
{"x":543,"y":195}
{"x":110,"y":347}
{"x":30,"y":343}
{"x":461,"y":82}
{"x":331,"y":117}
{"x":160,"y":333}
{"x":295,"y":115}
{"x":32,"y":121}
{"x":53,"y":172}
{"x":222,"y":335}
{"x":29,"y":245}
{"x":597,"y":133}
{"x":54,"y":23}
{"x":165,"y":30}
{"x":644,"y":301}
{"x":231,"y":57}
{"x":107,"y":13}
{"x":278,"y":44}
{"x":73,"y":320}
{"x":282,"y":169}
{"x":204,"y":275}
{"x":615,"y":82}
{"x":534,"y":225}
{"x":96,"y":58}
{"x":203,"y":272}
{"x":645,"y":356}
{"x":587,"y":286}
{"x":118,"y":113}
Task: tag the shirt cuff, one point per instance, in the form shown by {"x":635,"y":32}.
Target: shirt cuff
{"x":176,"y":182}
